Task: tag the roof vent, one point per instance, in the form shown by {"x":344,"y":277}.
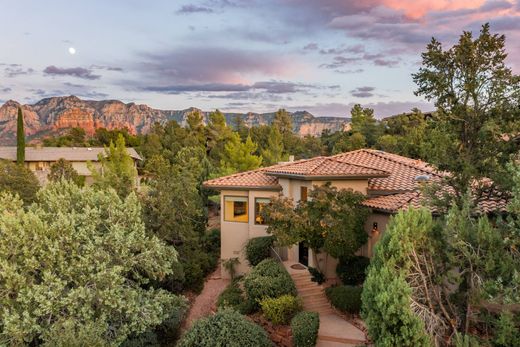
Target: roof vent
{"x":422,"y":178}
{"x":89,"y":149}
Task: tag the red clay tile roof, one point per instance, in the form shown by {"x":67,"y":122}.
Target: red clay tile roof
{"x":393,"y":203}
{"x":325,"y":167}
{"x":255,"y":179}
{"x":391,"y":178}
{"x":403,"y":171}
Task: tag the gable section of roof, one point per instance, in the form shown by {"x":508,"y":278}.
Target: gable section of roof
{"x":325,"y":167}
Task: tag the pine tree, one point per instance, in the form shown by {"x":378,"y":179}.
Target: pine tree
{"x":274,"y":152}
{"x":20,"y":139}
{"x":117,"y":169}
{"x":239,"y":157}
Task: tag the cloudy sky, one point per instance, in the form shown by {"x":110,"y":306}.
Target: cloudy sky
{"x":236,"y":55}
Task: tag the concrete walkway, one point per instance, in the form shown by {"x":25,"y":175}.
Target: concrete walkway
{"x":334,"y":330}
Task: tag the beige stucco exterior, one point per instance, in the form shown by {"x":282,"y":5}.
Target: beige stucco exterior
{"x":236,"y":234}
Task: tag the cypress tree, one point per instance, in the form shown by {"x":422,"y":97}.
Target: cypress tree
{"x":20,"y":139}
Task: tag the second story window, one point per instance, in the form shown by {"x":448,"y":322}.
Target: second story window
{"x":236,"y":209}
{"x":260,"y":203}
{"x":303,"y":193}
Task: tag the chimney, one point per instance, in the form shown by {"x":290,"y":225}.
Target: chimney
{"x":291,"y":158}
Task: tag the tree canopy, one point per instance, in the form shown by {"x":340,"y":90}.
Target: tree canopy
{"x":79,"y":260}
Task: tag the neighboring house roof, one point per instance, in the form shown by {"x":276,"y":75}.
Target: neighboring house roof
{"x":393,"y":180}
{"x":56,"y":153}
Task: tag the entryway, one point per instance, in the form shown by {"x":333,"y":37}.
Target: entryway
{"x":303,"y":254}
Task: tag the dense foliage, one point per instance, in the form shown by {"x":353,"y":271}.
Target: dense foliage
{"x":117,"y":169}
{"x":345,"y":298}
{"x":78,"y":263}
{"x":258,"y":249}
{"x":280,"y":310}
{"x":477,"y":98}
{"x":305,"y":326}
{"x":225,"y":328}
{"x":331,"y":220}
{"x":18,"y":180}
{"x":352,"y":270}
{"x":388,"y":308}
{"x":268,"y":279}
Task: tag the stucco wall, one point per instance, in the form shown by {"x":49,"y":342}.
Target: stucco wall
{"x":234,"y":235}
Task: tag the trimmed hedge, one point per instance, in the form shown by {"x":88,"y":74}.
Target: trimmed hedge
{"x":305,"y":326}
{"x":258,"y":249}
{"x":352,"y":271}
{"x":345,"y":298}
{"x":268,"y":279}
{"x":225,"y":328}
{"x":280,"y":310}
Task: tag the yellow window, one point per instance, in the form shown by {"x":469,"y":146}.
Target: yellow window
{"x":235,"y":209}
{"x":260,"y":203}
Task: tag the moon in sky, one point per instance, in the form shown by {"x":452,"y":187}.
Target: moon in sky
{"x":72,"y":50}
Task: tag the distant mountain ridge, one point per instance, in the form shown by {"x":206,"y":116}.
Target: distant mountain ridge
{"x":53,"y":116}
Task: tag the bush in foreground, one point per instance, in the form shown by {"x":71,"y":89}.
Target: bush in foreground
{"x":352,"y":270}
{"x":77,"y":264}
{"x":258,"y":249}
{"x":268,"y":279}
{"x":280,"y":310}
{"x":305,"y":326}
{"x":225,"y":328}
{"x":345,"y":298}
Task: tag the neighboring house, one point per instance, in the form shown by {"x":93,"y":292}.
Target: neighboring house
{"x":40,"y":159}
{"x":390,"y":182}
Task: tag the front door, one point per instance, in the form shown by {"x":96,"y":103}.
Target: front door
{"x":303,"y":254}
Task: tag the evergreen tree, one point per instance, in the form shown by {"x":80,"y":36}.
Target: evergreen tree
{"x":18,"y":180}
{"x":117,"y":169}
{"x":273,"y":154}
{"x":20,"y":138}
{"x":239,"y":156}
{"x":364,"y":122}
{"x":478,"y":103}
{"x":79,"y":265}
{"x":63,"y":170}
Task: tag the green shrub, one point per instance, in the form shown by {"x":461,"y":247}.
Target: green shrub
{"x":280,"y":310}
{"x":305,"y":326}
{"x":231,"y":297}
{"x":506,"y":331}
{"x":268,"y":279}
{"x":352,"y":271}
{"x":317,"y":275}
{"x":211,"y":241}
{"x":225,"y":328}
{"x":258,"y":249}
{"x":345,"y":298}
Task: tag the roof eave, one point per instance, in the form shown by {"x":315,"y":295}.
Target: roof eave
{"x":323,"y":177}
{"x":230,"y":187}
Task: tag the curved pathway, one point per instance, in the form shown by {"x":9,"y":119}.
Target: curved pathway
{"x":205,"y":302}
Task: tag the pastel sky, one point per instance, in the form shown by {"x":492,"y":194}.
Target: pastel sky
{"x":236,"y":55}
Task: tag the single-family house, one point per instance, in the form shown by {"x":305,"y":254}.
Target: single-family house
{"x":389,"y":181}
{"x":39,"y":159}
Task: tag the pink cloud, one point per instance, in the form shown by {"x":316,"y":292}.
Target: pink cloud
{"x":416,"y":9}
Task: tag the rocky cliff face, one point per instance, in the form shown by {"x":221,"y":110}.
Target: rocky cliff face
{"x":52,"y":116}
